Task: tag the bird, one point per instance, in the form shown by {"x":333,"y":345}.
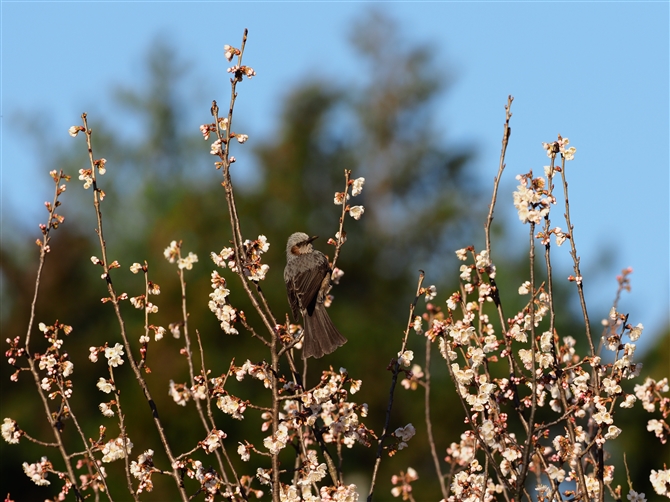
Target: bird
{"x":307,"y":276}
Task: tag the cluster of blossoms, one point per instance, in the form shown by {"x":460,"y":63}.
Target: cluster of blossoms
{"x":585,"y":389}
{"x":210,"y":482}
{"x":324,"y":408}
{"x":172,"y":253}
{"x":531,"y":200}
{"x":38,"y":471}
{"x":649,"y":395}
{"x":341,"y":197}
{"x":252,"y":267}
{"x":583,"y":392}
{"x":87,"y":175}
{"x":55,"y":220}
{"x":106,"y":386}
{"x":58,"y":366}
{"x":142,"y":469}
{"x":308,"y":476}
{"x":260,"y":372}
{"x":10,"y":431}
{"x":212,"y":441}
{"x":223,"y":311}
{"x":13,"y":354}
{"x":560,"y":146}
{"x":114,"y":449}
{"x":471,"y":485}
{"x":402,"y":486}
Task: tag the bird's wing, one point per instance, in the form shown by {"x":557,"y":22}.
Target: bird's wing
{"x":293,"y":300}
{"x":307,"y":284}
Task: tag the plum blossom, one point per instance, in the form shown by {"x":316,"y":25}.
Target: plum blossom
{"x":356,"y":212}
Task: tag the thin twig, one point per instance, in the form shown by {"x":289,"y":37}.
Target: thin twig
{"x":429,"y":423}
{"x":116,"y":303}
{"x":44,"y":249}
{"x":507,"y":131}
{"x":189,"y":358}
{"x":394,"y":379}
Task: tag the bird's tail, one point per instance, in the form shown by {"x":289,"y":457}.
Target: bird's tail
{"x":321,"y":335}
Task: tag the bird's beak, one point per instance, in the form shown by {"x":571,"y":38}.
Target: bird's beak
{"x":312,"y":239}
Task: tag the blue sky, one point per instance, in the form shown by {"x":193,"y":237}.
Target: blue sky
{"x":596,"y":72}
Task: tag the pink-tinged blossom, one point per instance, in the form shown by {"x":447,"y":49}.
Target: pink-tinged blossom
{"x":357,"y":186}
{"x":187,"y":262}
{"x":106,"y":410}
{"x":213,"y":440}
{"x":560,"y":236}
{"x":100,"y":164}
{"x":339,"y":198}
{"x":660,"y":480}
{"x":466,"y":272}
{"x":336,"y":275}
{"x":114,"y":449}
{"x":276,"y":442}
{"x":229,"y":52}
{"x":555,"y":473}
{"x":10,"y":431}
{"x":524,"y":289}
{"x":179,"y":393}
{"x":635,"y":332}
{"x":462,"y":254}
{"x":405,"y":358}
{"x":67,"y":367}
{"x":244,"y":452}
{"x":612,"y":432}
{"x":38,"y":472}
{"x":171,"y":252}
{"x":215,"y":148}
{"x":159,"y":332}
{"x":463,"y":376}
{"x":417,"y":325}
{"x":142,"y":470}
{"x":86,"y":176}
{"x":356,"y":212}
{"x":73,"y":131}
{"x":231,"y":406}
{"x":602,"y":416}
{"x":611,"y":386}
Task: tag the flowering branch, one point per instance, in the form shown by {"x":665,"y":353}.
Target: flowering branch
{"x":404,"y":358}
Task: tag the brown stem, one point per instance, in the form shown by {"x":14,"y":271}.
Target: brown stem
{"x":575,"y":260}
{"x":46,"y":238}
{"x":501,"y":166}
{"x":429,"y":423}
{"x":189,"y":358}
{"x":122,"y":429}
{"x":394,"y":380}
{"x":115,"y":301}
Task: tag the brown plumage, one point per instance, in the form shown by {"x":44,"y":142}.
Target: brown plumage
{"x":307,"y":277}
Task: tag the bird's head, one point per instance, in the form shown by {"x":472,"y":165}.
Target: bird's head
{"x":299,"y":243}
